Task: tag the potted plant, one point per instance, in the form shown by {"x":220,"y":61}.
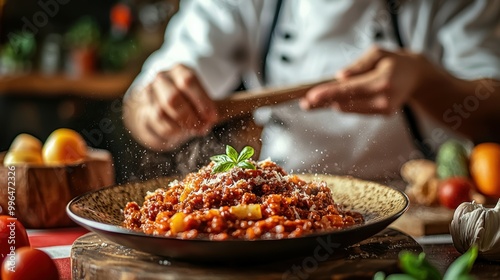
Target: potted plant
{"x":82,"y":40}
{"x":17,"y":54}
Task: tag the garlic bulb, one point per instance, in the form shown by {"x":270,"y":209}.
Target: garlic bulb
{"x":474,"y":224}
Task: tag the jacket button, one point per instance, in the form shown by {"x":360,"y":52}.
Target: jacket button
{"x":378,"y":35}
{"x":287,"y":36}
{"x":285,"y":58}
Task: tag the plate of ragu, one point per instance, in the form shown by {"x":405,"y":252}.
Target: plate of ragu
{"x":236,"y":209}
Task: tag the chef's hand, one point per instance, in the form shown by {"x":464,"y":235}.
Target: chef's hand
{"x":380,"y":82}
{"x":173,"y":108}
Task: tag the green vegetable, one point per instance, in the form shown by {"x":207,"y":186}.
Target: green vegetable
{"x":417,"y":267}
{"x":452,"y":160}
{"x":460,"y":268}
{"x":232,"y":159}
{"x":381,"y":276}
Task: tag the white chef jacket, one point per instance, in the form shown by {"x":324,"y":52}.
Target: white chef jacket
{"x":223,"y":41}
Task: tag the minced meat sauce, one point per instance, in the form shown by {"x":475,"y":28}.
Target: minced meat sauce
{"x":265,"y":203}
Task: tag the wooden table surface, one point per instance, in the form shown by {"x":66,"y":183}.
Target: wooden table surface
{"x":442,"y":255}
{"x":93,"y":257}
{"x":96,"y":258}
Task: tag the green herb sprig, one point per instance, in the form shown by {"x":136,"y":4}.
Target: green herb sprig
{"x":232,"y":159}
{"x":416,"y":267}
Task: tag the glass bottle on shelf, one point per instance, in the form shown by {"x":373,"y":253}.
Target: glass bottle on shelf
{"x":50,"y":54}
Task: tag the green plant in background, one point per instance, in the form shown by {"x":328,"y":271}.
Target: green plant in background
{"x":115,"y":54}
{"x":83,"y":33}
{"x":17,"y":53}
{"x":416,"y":267}
{"x":22,"y":45}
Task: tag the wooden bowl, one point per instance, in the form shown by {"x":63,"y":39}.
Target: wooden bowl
{"x":37,"y":195}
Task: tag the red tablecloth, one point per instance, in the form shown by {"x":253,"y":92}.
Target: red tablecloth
{"x":57,"y":243}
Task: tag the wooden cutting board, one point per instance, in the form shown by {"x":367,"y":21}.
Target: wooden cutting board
{"x":422,"y":220}
{"x":93,"y":257}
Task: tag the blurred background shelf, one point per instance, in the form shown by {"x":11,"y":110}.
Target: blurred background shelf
{"x":103,"y":86}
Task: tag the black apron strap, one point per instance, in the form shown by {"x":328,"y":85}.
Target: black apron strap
{"x":267,"y":45}
{"x":411,"y":119}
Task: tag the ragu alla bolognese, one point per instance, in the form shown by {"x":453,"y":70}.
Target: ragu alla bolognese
{"x":263,"y":202}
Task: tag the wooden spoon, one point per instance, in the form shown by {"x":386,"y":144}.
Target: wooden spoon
{"x":246,"y":102}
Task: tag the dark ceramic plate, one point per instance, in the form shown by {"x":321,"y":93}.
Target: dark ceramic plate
{"x":101,"y":211}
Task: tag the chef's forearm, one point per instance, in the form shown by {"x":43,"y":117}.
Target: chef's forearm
{"x":470,"y":107}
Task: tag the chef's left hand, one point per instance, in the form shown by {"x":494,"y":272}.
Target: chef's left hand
{"x":380,"y":82}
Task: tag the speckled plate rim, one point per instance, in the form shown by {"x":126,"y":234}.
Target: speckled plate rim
{"x":94,"y":225}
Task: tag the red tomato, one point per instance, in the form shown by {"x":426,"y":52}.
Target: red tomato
{"x":29,"y":264}
{"x":12,"y":236}
{"x":453,"y":191}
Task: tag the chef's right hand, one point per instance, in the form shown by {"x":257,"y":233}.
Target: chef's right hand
{"x":173,"y":108}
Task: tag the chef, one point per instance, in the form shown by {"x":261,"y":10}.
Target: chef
{"x":409,"y":75}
